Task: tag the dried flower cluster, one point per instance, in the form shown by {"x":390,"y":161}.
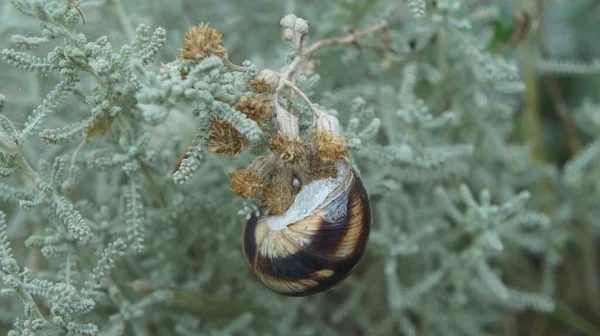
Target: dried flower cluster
{"x":254,"y":108}
{"x":201,"y":42}
{"x":276,"y":178}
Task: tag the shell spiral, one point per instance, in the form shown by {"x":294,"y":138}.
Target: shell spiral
{"x":317,"y":242}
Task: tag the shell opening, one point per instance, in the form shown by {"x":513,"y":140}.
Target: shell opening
{"x":308,"y":199}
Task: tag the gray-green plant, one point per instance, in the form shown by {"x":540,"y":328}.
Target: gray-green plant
{"x":103,"y":235}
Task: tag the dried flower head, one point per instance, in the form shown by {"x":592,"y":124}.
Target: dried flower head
{"x":201,"y":42}
{"x":290,"y":149}
{"x":329,"y":147}
{"x":255,"y":108}
{"x":223,"y":138}
{"x":279,"y":195}
{"x":246,"y":183}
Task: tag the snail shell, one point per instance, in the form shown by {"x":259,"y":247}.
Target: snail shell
{"x":317,"y":242}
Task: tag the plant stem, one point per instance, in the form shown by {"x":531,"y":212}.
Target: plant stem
{"x":27,"y":298}
{"x":556,"y":96}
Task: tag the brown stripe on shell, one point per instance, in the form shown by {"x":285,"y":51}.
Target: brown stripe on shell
{"x":355,"y":225}
{"x":249,"y":242}
{"x":324,"y":237}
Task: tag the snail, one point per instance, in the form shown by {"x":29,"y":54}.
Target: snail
{"x":317,"y":242}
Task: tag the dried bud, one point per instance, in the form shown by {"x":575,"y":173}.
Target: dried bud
{"x":294,"y":27}
{"x":291,"y":149}
{"x":201,"y":42}
{"x":255,"y":108}
{"x":224,"y":139}
{"x":246,"y":183}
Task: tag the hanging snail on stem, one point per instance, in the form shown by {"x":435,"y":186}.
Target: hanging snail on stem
{"x":315,"y":217}
{"x":317,"y":241}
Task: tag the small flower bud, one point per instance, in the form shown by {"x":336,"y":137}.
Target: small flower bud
{"x":301,"y":26}
{"x":294,"y":27}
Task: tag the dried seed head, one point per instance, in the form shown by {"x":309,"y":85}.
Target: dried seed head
{"x":289,"y":148}
{"x":329,"y":147}
{"x":201,"y":42}
{"x":279,"y":195}
{"x":223,"y":138}
{"x":246,"y":182}
{"x":255,"y":108}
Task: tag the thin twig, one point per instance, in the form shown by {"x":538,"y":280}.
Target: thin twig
{"x":303,"y":96}
{"x":349,"y":39}
{"x":233,"y":67}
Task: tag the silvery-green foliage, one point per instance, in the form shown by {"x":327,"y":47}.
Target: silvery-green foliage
{"x":101,"y":234}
